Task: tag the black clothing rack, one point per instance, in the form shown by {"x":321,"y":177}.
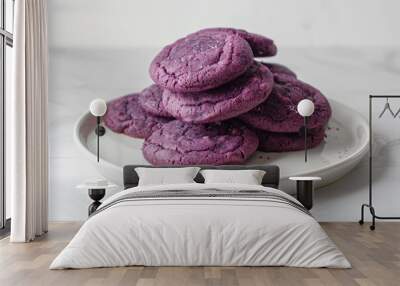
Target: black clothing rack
{"x":370,"y":204}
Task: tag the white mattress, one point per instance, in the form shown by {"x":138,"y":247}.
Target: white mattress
{"x":200,"y":231}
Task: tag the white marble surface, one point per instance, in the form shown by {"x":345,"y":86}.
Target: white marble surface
{"x":348,"y":75}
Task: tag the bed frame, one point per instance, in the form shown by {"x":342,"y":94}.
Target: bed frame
{"x":271,"y":177}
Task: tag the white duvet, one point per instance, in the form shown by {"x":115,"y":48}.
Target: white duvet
{"x":200,"y":231}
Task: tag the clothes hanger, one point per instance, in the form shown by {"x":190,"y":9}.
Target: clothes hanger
{"x":387,"y":107}
{"x":397,"y":113}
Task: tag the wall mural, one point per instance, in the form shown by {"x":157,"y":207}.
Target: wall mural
{"x":214,"y":101}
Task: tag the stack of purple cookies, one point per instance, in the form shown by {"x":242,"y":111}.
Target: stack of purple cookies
{"x":213,"y":104}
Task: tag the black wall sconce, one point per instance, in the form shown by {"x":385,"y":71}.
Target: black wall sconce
{"x":305,"y":108}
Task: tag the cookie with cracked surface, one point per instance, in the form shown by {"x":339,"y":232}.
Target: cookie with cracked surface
{"x":180,"y":143}
{"x":199,"y":62}
{"x":224,"y":102}
{"x":278,"y":69}
{"x":279,"y":112}
{"x":260,"y":45}
{"x":150,"y":99}
{"x":124,"y":115}
{"x":285,"y":142}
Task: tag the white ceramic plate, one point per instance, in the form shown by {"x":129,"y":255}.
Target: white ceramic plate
{"x":345,"y":145}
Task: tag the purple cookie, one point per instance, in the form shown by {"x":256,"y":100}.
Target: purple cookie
{"x":227,"y":101}
{"x":180,"y":143}
{"x":260,"y":45}
{"x":285,"y":142}
{"x":150,"y":99}
{"x":280,"y":69}
{"x":124,"y":115}
{"x":201,"y":61}
{"x":279,"y":112}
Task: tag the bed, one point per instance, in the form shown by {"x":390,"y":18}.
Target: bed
{"x":201,"y":224}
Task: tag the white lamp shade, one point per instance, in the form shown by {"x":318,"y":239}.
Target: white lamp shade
{"x":305,"y":107}
{"x":98,"y":107}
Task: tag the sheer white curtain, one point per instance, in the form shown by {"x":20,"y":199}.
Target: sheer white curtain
{"x":26,"y":123}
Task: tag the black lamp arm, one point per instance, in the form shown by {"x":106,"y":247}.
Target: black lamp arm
{"x":100,"y":131}
{"x":305,"y":138}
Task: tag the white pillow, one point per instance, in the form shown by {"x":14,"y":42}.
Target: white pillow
{"x":248,"y":177}
{"x":164,"y":176}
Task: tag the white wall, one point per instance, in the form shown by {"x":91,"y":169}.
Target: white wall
{"x":98,"y":49}
{"x":123,"y":23}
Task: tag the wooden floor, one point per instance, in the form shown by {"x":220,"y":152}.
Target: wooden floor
{"x":375,"y":257}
